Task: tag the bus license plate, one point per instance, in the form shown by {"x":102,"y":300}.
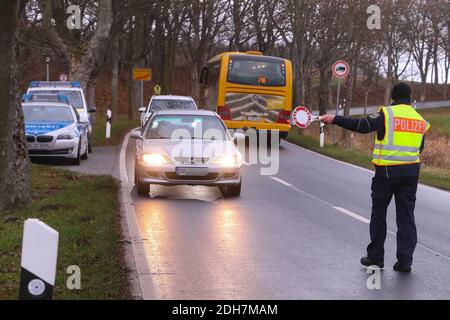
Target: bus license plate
{"x":256,"y":119}
{"x":189,"y":171}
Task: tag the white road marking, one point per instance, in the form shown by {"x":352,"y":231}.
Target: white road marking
{"x":281,"y":181}
{"x":140,"y":258}
{"x":352,"y":214}
{"x":357,"y":167}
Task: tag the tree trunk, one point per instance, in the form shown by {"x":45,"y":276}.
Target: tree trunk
{"x":324,"y":90}
{"x":14,"y":161}
{"x":115,"y":77}
{"x":86,"y":68}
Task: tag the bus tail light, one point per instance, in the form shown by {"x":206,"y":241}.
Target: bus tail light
{"x":284,"y":116}
{"x":224,"y":113}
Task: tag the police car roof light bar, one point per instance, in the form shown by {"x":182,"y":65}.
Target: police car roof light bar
{"x":73,"y":84}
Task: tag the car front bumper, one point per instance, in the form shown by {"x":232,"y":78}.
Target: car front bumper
{"x":166,"y":175}
{"x":56,"y":148}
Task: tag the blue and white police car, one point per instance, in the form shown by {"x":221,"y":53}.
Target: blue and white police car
{"x":53,"y":128}
{"x":74,"y":93}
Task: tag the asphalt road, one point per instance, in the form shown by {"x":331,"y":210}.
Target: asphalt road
{"x":296,"y":235}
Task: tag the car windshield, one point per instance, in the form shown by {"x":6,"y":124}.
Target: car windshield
{"x":75,"y":98}
{"x":47,"y":114}
{"x":256,"y":71}
{"x":186,"y":127}
{"x":159,"y":104}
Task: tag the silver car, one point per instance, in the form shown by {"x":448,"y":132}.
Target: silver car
{"x":54,"y":129}
{"x":184,"y":147}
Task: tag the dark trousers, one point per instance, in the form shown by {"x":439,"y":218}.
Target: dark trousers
{"x":404,"y":190}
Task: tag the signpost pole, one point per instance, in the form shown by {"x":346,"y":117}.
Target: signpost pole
{"x":47,"y":61}
{"x":337,"y":108}
{"x":142,"y":93}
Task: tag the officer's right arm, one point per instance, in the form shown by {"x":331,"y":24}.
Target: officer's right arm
{"x":369,"y":124}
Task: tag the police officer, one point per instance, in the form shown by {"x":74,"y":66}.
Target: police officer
{"x":399,"y":141}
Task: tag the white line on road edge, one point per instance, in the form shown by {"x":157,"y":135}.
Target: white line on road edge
{"x":355,"y":166}
{"x":350,"y":213}
{"x":142,"y":268}
{"x":281,"y":181}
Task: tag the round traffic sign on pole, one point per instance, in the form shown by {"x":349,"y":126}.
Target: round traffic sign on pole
{"x":63,"y":77}
{"x":341,"y":69}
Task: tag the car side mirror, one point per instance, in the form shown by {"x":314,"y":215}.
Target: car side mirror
{"x":142,"y":109}
{"x":92,"y":110}
{"x":136,"y":134}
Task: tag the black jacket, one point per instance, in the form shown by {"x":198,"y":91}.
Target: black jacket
{"x":375,"y":122}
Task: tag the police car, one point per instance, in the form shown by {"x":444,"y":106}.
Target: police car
{"x":73,"y":91}
{"x":54,"y":128}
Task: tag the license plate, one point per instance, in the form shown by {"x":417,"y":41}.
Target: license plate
{"x":189,"y":171}
{"x":37,"y":146}
{"x":257,"y":119}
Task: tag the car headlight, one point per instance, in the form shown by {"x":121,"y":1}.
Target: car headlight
{"x":155,"y":159}
{"x":66,"y":136}
{"x":227,"y":161}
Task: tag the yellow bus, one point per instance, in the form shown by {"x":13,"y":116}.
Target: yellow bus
{"x":249,"y":90}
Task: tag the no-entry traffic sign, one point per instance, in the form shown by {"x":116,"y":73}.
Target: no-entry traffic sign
{"x":303,"y":117}
{"x":341,"y":69}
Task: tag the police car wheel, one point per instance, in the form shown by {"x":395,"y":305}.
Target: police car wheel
{"x":85,"y":156}
{"x":77,"y":160}
{"x":89,"y":147}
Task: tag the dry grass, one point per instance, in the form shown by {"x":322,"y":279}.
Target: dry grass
{"x":435,"y":155}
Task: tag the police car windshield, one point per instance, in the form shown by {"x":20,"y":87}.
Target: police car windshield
{"x":186,"y":127}
{"x":47,"y":114}
{"x":158,"y":104}
{"x":74,"y":97}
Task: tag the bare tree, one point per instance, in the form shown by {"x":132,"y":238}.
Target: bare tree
{"x":14,"y":162}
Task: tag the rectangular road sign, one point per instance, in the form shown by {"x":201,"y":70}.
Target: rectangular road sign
{"x":142,"y":74}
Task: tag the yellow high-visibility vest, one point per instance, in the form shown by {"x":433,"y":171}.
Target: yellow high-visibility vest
{"x":404,"y":130}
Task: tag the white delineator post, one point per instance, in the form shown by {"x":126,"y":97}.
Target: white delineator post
{"x":322,"y":134}
{"x":108,"y":124}
{"x":39,"y":258}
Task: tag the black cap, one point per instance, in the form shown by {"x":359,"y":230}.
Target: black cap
{"x":401,"y":91}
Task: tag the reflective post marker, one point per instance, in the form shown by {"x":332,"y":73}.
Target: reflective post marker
{"x":108,"y":124}
{"x":39,"y":257}
{"x":322,"y":134}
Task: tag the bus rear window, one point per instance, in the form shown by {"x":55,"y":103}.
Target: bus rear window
{"x":256,"y":72}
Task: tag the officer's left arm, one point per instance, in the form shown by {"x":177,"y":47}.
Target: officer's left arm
{"x":369,"y":124}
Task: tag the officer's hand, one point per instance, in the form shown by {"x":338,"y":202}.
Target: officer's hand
{"x":327,"y":118}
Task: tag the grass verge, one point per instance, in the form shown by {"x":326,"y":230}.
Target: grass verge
{"x":120,"y":127}
{"x":84,"y":210}
{"x":436,"y":177}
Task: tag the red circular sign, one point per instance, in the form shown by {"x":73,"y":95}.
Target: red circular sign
{"x":302,"y":117}
{"x":341,"y":69}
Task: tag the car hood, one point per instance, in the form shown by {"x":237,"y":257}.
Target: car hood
{"x":41,"y":128}
{"x":174,"y":149}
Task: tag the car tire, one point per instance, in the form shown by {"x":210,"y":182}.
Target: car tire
{"x":231,"y":191}
{"x":89,"y":147}
{"x":85,"y":156}
{"x":143,"y":189}
{"x":77,"y":160}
